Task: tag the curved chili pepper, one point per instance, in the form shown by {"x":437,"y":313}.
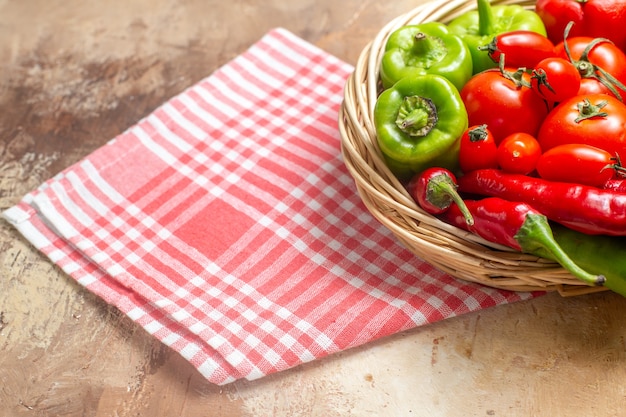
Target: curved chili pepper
{"x":518,"y":226}
{"x":435,"y":189}
{"x":583,"y":208}
{"x":598,"y":254}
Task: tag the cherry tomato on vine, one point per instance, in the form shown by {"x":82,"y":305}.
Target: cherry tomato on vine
{"x":499,"y":99}
{"x":595,"y":57}
{"x":521,"y":48}
{"x":477,"y":149}
{"x":555,"y":79}
{"x":578,"y":163}
{"x":518,"y":153}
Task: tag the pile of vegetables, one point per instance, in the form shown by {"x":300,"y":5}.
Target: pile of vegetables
{"x":510,"y":123}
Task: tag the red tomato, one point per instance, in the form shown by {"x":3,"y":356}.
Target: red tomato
{"x":502,"y":104}
{"x":477,"y":149}
{"x":579,"y":163}
{"x":521,"y":48}
{"x":518,"y":153}
{"x":592,"y":86}
{"x":555,"y":79}
{"x":596,"y":119}
{"x":597,"y":19}
{"x":604,"y":55}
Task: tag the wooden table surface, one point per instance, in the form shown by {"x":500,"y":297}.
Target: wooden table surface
{"x":75,"y":74}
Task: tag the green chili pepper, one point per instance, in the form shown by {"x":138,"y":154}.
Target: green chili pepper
{"x":518,"y":226}
{"x":427,"y":48}
{"x":598,"y":254}
{"x":478,"y":28}
{"x":419,"y":122}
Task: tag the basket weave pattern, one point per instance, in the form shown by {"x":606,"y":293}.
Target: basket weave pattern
{"x":456,"y":252}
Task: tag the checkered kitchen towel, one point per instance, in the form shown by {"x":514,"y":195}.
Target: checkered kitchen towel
{"x":225,"y":224}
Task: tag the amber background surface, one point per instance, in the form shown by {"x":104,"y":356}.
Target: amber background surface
{"x":74,"y":74}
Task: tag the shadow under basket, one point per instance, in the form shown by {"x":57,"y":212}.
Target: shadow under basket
{"x":448,"y":248}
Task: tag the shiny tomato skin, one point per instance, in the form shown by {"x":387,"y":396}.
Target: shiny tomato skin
{"x":477,"y":149}
{"x":522,"y":48}
{"x":555,"y":79}
{"x":605,"y":132}
{"x":518,"y":153}
{"x":605,"y":55}
{"x":593,"y":86}
{"x":577,"y":163}
{"x":492,"y":99}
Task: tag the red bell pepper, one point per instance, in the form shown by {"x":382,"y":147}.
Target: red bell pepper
{"x":594,"y":18}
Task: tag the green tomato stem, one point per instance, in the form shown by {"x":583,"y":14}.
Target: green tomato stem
{"x":428,"y":49}
{"x":587,"y":110}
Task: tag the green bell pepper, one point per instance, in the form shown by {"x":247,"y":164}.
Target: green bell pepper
{"x":427,"y":48}
{"x":478,"y":28}
{"x":419,"y":122}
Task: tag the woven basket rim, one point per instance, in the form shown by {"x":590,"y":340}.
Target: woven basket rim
{"x":458,"y":253}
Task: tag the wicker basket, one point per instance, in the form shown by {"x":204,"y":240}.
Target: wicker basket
{"x":458,"y":253}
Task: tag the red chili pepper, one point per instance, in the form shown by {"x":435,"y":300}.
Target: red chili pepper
{"x":518,"y":226}
{"x":435,"y":189}
{"x":583,"y":208}
{"x":617,"y":185}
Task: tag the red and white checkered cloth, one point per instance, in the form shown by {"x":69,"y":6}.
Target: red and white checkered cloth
{"x":226,"y":225}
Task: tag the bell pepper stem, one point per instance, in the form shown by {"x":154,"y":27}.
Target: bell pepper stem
{"x":417,"y":116}
{"x":485,"y":18}
{"x":535,"y":237}
{"x":429,"y":48}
